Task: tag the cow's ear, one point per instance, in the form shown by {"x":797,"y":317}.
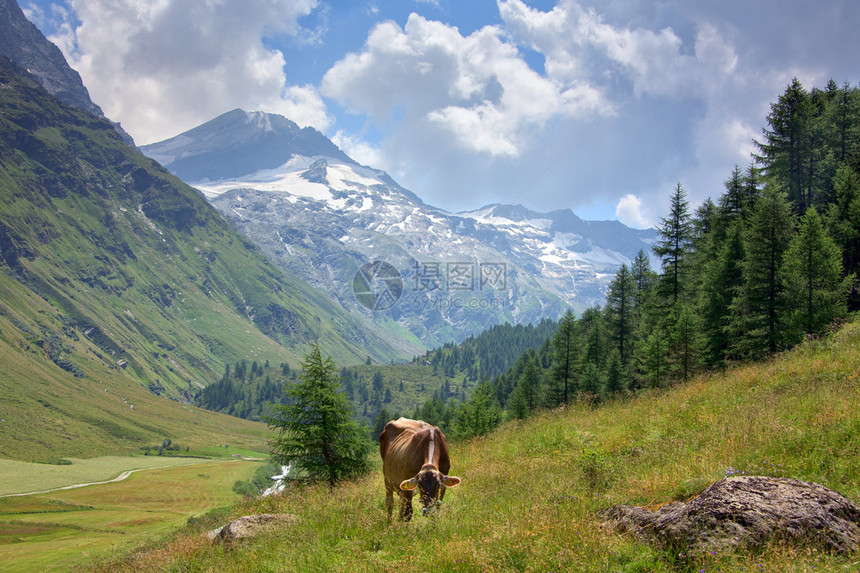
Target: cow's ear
{"x":450,"y":481}
{"x":409,"y":484}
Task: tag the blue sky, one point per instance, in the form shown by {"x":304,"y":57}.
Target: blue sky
{"x":597,"y":106}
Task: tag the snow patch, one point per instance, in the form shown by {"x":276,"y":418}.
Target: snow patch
{"x":344,"y":177}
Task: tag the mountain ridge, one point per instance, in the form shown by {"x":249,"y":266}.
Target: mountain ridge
{"x":324,"y":217}
{"x":23,"y":43}
{"x":269,"y":138}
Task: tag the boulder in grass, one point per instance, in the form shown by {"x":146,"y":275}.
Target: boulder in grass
{"x":250,"y":526}
{"x":745,"y":512}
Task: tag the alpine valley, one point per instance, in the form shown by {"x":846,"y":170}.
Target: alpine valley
{"x":124,"y":292}
{"x":417,"y":271}
{"x":121,"y":287}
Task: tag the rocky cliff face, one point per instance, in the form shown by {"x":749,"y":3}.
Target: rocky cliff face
{"x":25,"y":45}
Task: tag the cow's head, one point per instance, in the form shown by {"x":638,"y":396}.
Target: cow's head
{"x":431,"y":484}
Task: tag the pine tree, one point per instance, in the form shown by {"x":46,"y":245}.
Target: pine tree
{"x":595,"y":337}
{"x":702,"y":223}
{"x":616,"y":381}
{"x":844,"y":112}
{"x":528,"y":390}
{"x":843,"y":217}
{"x":314,"y":426}
{"x":723,"y":277}
{"x":819,"y":165}
{"x":812,"y":274}
{"x":379,"y":423}
{"x":565,"y":353}
{"x":684,"y":342}
{"x":517,"y":404}
{"x":478,"y":415}
{"x":673,"y":245}
{"x":642,"y":274}
{"x":591,"y":386}
{"x":783,"y":153}
{"x":751,"y":191}
{"x":620,"y":306}
{"x":732,"y":202}
{"x":754,"y":324}
{"x":653,"y":358}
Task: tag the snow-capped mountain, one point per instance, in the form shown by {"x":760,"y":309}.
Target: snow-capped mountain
{"x":440,"y":276}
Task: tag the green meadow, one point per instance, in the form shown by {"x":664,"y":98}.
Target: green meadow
{"x":25,"y":477}
{"x":64,"y":528}
{"x":532,"y":490}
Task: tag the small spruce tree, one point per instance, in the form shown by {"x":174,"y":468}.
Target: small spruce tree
{"x":314,"y":426}
{"x":616,"y":381}
{"x":478,"y":415}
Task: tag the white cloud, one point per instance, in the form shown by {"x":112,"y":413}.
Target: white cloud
{"x":476,"y":88}
{"x":360,"y":150}
{"x":430,"y":89}
{"x":33,"y":12}
{"x":577,"y":42}
{"x":708,"y":99}
{"x":629,"y":212}
{"x":162,"y":67}
{"x":678,"y":89}
{"x":301,"y":104}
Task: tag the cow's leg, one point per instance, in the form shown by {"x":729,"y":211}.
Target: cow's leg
{"x":406,"y":505}
{"x":389,"y":501}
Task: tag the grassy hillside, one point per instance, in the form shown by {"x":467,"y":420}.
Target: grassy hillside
{"x":119,"y":283}
{"x":139,"y":263}
{"x":531,"y":490}
{"x":46,"y":413}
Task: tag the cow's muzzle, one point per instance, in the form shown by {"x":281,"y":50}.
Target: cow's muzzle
{"x":431,"y":508}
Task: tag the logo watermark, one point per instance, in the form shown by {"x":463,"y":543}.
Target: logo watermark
{"x":377,"y":285}
{"x":435,"y":285}
{"x":443,"y":303}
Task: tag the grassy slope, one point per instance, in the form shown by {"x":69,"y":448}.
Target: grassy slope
{"x":141,"y":262}
{"x":532,"y":489}
{"x":48,"y":413}
{"x":115,"y":277}
{"x":414,"y":377}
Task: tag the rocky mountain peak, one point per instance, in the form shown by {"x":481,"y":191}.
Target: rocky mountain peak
{"x":237,"y":143}
{"x":27,"y":47}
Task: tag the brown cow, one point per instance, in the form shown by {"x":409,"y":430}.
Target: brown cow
{"x":414,"y":454}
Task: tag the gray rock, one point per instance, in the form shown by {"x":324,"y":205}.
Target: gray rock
{"x":251,"y":526}
{"x":745,"y":512}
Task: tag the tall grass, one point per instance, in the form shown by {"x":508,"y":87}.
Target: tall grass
{"x":532,"y":491}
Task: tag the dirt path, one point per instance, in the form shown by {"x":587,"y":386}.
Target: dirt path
{"x":120,"y":477}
